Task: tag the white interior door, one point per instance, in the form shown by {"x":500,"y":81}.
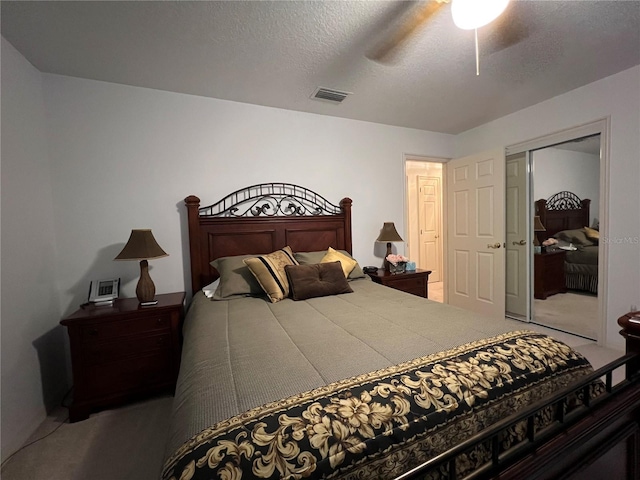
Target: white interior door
{"x":517,"y":244}
{"x":475,"y":226}
{"x":429,"y":208}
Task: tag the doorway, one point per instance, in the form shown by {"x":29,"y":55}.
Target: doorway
{"x":425,"y":219}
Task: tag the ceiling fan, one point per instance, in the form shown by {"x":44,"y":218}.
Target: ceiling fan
{"x":467,"y":15}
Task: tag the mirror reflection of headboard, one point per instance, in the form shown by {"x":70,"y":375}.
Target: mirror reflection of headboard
{"x":563,"y":211}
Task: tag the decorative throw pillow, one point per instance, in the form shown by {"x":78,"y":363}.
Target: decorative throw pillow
{"x":308,"y":258}
{"x":269,"y":271}
{"x":236,"y":279}
{"x":577,"y":237}
{"x":346,"y":262}
{"x":592,"y":234}
{"x":316,"y":280}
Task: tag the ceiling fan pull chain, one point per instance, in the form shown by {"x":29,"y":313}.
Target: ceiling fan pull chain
{"x":477,"y":54}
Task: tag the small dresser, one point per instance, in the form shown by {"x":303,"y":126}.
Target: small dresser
{"x":414,"y":282}
{"x":548,"y":273}
{"x":123,"y":352}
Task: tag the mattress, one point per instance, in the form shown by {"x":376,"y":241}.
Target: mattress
{"x":242,"y":354}
{"x":583,"y":261}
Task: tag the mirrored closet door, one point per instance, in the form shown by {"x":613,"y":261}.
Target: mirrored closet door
{"x":552,"y":236}
{"x":517,"y":238}
{"x":566,"y":194}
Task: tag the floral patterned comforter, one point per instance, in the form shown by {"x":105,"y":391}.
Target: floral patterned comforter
{"x":383,"y":423}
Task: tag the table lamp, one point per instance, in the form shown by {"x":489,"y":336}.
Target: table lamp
{"x":537,"y":227}
{"x":142,"y":246}
{"x":388,"y":234}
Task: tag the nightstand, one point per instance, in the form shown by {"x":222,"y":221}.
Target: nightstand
{"x":548,"y":272}
{"x":124,"y":351}
{"x":414,"y":282}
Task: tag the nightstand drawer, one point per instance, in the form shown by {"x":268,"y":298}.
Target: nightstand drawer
{"x":415,"y":286}
{"x":129,"y":374}
{"x":127,"y":346}
{"x":103,"y":331}
{"x":549,"y":276}
{"x":413,"y":282}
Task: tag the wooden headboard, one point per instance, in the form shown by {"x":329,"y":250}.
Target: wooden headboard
{"x":563,"y":211}
{"x":261,"y":219}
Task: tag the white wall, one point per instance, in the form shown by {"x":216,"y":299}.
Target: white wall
{"x":617,"y":97}
{"x":33,"y":352}
{"x":126,"y":157}
{"x":556,"y":170}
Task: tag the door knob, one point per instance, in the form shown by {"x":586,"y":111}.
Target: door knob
{"x":521,"y":242}
{"x":494,"y":245}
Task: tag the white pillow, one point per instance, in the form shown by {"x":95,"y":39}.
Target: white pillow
{"x":210,"y":289}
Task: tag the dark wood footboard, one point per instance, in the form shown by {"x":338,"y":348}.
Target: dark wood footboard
{"x":598,"y":438}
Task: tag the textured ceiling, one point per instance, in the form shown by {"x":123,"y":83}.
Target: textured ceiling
{"x":277,"y":53}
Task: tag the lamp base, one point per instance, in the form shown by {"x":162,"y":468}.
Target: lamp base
{"x":386,"y":262}
{"x":145,"y":290}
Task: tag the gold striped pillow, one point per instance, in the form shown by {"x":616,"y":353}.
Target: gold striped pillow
{"x":269,"y":271}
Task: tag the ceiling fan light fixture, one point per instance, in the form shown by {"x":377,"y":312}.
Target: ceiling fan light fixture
{"x":472,"y":14}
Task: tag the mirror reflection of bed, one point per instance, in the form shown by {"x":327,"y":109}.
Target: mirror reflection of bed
{"x":565,"y":270}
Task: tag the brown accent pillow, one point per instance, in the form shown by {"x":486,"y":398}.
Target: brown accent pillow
{"x":316,"y":280}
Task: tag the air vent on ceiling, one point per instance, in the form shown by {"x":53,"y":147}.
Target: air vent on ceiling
{"x":329,"y":95}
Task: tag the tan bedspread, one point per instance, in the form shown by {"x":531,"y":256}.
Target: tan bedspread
{"x":380,"y":424}
{"x":243,"y":353}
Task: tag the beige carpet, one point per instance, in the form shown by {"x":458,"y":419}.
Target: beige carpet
{"x":120,"y":444}
{"x":570,"y":312}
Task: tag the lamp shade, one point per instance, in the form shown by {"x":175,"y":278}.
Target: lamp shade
{"x":389,"y":233}
{"x":141,"y":246}
{"x":471,"y":14}
{"x":537,"y":225}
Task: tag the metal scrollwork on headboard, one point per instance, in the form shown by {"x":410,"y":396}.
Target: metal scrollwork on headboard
{"x":564,"y":201}
{"x":271,"y":200}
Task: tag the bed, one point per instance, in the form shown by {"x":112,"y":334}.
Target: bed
{"x":369,"y":382}
{"x":566,"y":218}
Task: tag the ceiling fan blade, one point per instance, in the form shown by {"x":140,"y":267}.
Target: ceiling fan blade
{"x":506,"y":31}
{"x":407,"y":29}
